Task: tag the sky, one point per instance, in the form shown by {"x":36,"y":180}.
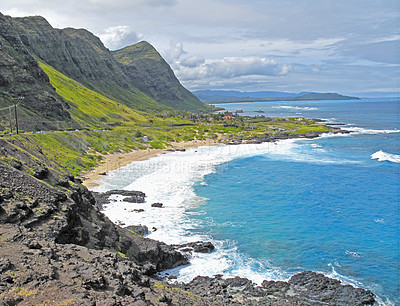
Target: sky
{"x":345,"y":46}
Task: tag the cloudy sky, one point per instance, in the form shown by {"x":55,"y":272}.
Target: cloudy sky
{"x":346,"y":46}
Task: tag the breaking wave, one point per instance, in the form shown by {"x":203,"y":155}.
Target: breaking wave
{"x":384,"y":156}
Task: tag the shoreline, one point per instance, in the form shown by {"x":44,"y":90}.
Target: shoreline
{"x":114,"y":161}
{"x":146,"y":154}
{"x":117,"y":160}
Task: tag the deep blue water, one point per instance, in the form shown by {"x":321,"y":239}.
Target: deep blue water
{"x":327,"y":205}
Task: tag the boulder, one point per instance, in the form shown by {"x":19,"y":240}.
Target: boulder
{"x":198,"y":247}
{"x":141,"y":230}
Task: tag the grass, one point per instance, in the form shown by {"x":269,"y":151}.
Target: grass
{"x":79,"y":150}
{"x":113,"y":127}
{"x":88,"y":107}
{"x":122,"y":256}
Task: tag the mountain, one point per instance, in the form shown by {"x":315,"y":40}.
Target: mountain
{"x":230,"y":96}
{"x":150,"y":73}
{"x":22,"y":81}
{"x":323,"y":96}
{"x":78,"y":55}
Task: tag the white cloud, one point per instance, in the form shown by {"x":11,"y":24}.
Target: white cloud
{"x":119,"y":36}
{"x":173,"y":54}
{"x":193,"y":61}
{"x":316,"y":68}
{"x":231,"y":67}
{"x":257,"y":44}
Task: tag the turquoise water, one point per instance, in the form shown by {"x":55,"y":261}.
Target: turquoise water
{"x":331,"y":205}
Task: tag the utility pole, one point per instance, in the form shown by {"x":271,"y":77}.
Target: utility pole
{"x":11,"y":125}
{"x":15,"y":112}
{"x":16,"y":116}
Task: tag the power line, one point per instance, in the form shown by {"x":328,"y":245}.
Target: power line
{"x":5,"y":108}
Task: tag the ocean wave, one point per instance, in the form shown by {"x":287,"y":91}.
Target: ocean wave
{"x":309,"y":153}
{"x":169,"y":179}
{"x":383,"y":156}
{"x":359,"y":130}
{"x":381,"y":300}
{"x":380,"y":220}
{"x":353,"y":254}
{"x":308,"y":108}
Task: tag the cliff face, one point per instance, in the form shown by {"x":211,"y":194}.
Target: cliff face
{"x":22,"y":81}
{"x":149,"y":72}
{"x":55,"y":207}
{"x":80,"y":55}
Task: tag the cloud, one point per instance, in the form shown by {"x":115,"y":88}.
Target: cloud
{"x":132,"y":3}
{"x":119,"y":36}
{"x":173,"y":54}
{"x":384,"y":51}
{"x":305,"y":45}
{"x":193,"y":61}
{"x":230,"y":67}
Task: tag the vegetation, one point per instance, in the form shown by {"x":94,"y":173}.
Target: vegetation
{"x":81,"y":150}
{"x":88,"y":107}
{"x":109,"y":127}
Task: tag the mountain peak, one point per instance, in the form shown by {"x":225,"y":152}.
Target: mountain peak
{"x":149,"y":72}
{"x":134,"y":53}
{"x":34,"y":22}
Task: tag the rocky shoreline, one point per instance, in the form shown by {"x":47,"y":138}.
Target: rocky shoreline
{"x":58,"y":248}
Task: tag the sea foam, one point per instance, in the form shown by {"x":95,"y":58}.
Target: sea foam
{"x":360,"y":130}
{"x":169,"y":179}
{"x":383,"y":156}
{"x":308,"y":108}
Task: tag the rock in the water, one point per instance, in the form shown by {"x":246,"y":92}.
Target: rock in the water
{"x":130,"y":196}
{"x":198,"y":246}
{"x":138,"y":229}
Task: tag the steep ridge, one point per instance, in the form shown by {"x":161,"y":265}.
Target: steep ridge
{"x":89,"y":108}
{"x":23,"y":82}
{"x":147,"y":84}
{"x":149,"y":72}
{"x":80,"y":55}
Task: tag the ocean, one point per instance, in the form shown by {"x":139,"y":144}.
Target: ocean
{"x":329,"y":204}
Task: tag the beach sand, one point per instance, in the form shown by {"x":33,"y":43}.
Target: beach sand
{"x":117,"y":160}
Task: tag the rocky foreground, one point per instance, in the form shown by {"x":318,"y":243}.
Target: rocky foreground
{"x":57,"y":248}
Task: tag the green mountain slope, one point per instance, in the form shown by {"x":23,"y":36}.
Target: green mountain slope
{"x":144,"y":81}
{"x":89,"y":108}
{"x":23,"y":82}
{"x":149,"y":72}
{"x":80,"y":55}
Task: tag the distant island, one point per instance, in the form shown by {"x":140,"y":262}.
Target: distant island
{"x":225,"y":96}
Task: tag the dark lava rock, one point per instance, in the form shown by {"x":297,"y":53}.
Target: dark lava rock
{"x":40,"y":173}
{"x":138,"y":229}
{"x":56,"y":246}
{"x":198,"y":246}
{"x":307,"y":288}
{"x":131,"y":196}
{"x":328,"y":289}
{"x":34,"y":244}
{"x":133,"y":199}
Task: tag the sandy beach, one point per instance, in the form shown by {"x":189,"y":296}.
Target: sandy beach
{"x":117,"y":160}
